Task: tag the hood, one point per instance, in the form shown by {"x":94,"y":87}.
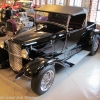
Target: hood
{"x":32,"y":37}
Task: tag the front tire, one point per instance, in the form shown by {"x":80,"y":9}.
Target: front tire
{"x":95,"y":45}
{"x":43,"y":81}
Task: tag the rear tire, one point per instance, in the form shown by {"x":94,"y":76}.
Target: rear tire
{"x":2,"y":29}
{"x":95,"y":45}
{"x":43,"y":81}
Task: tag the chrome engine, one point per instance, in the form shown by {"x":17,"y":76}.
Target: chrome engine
{"x":23,"y":21}
{"x":17,"y":23}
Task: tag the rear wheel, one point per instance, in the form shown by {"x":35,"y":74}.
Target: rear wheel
{"x":95,"y":45}
{"x":43,"y":81}
{"x":2,"y":29}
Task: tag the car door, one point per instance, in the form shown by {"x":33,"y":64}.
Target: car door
{"x":74,"y":36}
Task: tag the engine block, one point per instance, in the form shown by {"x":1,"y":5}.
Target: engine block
{"x":23,"y":21}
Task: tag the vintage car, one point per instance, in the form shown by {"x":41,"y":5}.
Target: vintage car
{"x":18,"y":20}
{"x":64,"y":39}
{"x":18,"y":5}
{"x":15,"y":23}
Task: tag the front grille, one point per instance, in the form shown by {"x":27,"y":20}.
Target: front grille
{"x":15,"y":58}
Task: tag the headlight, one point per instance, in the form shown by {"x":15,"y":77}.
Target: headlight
{"x":1,"y":44}
{"x":24,"y":53}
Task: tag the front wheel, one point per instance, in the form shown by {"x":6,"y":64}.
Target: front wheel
{"x":44,"y":80}
{"x":95,"y":45}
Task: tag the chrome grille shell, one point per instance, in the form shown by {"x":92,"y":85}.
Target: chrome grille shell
{"x":15,"y":58}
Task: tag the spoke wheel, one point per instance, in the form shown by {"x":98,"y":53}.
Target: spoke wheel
{"x":42,"y":83}
{"x":95,"y":45}
{"x":47,"y":80}
{"x":3,"y":29}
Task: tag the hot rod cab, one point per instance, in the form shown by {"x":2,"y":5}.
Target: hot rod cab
{"x":64,"y":39}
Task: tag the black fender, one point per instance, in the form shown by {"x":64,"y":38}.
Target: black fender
{"x":3,"y":55}
{"x":92,"y":36}
{"x":88,"y":37}
{"x":34,"y":67}
{"x":4,"y":62}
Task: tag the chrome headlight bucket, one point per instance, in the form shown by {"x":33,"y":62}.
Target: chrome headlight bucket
{"x":24,"y":53}
{"x":2,"y":44}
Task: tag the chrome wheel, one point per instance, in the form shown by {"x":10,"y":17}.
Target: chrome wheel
{"x":96,"y":45}
{"x":47,"y":80}
{"x":43,"y":81}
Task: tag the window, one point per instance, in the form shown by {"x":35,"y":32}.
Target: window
{"x":98,"y":12}
{"x":99,"y":5}
{"x":42,"y":2}
{"x":75,"y":3}
{"x":95,"y":11}
{"x":60,"y":2}
{"x":33,"y":1}
{"x":50,"y":2}
{"x":37,"y":2}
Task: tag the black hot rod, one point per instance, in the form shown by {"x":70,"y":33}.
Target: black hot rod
{"x":64,"y":39}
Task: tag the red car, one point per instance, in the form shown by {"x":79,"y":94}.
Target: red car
{"x":27,"y":5}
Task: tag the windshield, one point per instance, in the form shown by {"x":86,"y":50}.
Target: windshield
{"x":52,"y":17}
{"x":41,"y":16}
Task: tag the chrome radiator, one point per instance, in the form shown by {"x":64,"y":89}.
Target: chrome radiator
{"x":15,"y":58}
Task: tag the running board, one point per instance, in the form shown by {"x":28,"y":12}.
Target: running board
{"x":77,"y":57}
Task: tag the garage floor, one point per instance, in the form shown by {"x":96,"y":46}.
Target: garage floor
{"x":80,"y":82}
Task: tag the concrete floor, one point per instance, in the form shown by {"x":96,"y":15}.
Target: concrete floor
{"x":80,"y":82}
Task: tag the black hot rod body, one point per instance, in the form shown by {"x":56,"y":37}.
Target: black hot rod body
{"x":64,"y":39}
